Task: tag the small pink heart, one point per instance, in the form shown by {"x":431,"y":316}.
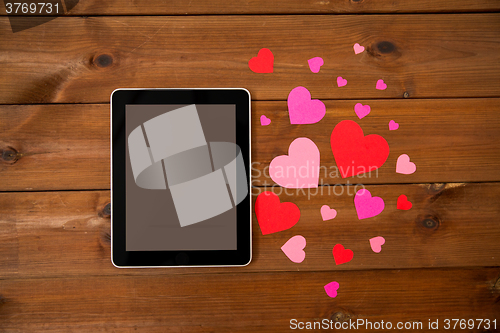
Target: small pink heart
{"x":315,"y":64}
{"x":327,"y":213}
{"x":366,"y":205}
{"x":264,"y":121}
{"x":294,"y":249}
{"x":341,"y":81}
{"x":361,"y":110}
{"x":376,"y":243}
{"x":302,"y":109}
{"x":331,"y":289}
{"x":381,"y":85}
{"x":404,"y":166}
{"x":393,"y":125}
{"x":358,"y":48}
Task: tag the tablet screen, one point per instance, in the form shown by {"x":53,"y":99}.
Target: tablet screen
{"x":183,"y":177}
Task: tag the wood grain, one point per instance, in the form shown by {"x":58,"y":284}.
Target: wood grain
{"x":179,"y":7}
{"x":82,"y":60}
{"x":54,"y":234}
{"x":54,"y":147}
{"x":50,"y":147}
{"x":247,"y":302}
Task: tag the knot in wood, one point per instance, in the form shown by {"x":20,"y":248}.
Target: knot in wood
{"x":430,"y":222}
{"x":103,"y":60}
{"x":9,"y":155}
{"x":340,"y":316}
{"x":106,"y":211}
{"x":385,"y":47}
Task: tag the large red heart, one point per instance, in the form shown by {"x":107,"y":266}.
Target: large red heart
{"x":263,"y":62}
{"x":403,"y":202}
{"x":274,"y":216}
{"x":341,"y":255}
{"x":355,"y":153}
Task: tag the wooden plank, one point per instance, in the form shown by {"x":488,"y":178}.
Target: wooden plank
{"x":446,"y":139}
{"x":158,"y":7}
{"x":248,"y":302}
{"x":424,"y":56}
{"x":450,"y":225}
{"x":54,"y":147}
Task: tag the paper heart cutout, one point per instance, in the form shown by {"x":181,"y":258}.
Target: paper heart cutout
{"x":327,"y":213}
{"x":341,"y":255}
{"x":376,"y":243}
{"x":264,"y":121}
{"x":381,"y":85}
{"x":341,"y":81}
{"x":273,"y":215}
{"x":355,"y":153}
{"x":294,"y":249}
{"x":315,"y":64}
{"x":393,"y":125}
{"x":331,"y":289}
{"x":403,"y":203}
{"x":358,"y":48}
{"x":263,"y":62}
{"x":404,"y":166}
{"x":298,"y":169}
{"x":361,"y":110}
{"x":302,"y":109}
{"x":366,"y":205}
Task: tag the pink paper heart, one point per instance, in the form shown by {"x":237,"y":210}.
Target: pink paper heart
{"x":361,"y":110}
{"x":376,"y":243}
{"x":328,"y":213}
{"x":393,"y":125}
{"x":404,"y":166}
{"x":358,"y":48}
{"x":331,"y":289}
{"x":294,"y":248}
{"x":302,"y":109}
{"x":366,"y":205}
{"x":341,"y":81}
{"x":381,"y":85}
{"x":264,"y":121}
{"x":315,"y":64}
{"x":298,"y":169}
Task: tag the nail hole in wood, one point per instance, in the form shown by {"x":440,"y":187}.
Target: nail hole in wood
{"x":406,"y":95}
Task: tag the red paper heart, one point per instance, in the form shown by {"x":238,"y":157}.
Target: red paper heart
{"x":403,"y":202}
{"x":355,"y":153}
{"x":274,"y":216}
{"x":341,"y":255}
{"x":263,"y":62}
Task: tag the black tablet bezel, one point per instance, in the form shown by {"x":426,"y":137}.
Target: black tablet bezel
{"x":122,"y":258}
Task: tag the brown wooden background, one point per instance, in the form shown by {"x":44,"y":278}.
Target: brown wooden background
{"x":440,"y":60}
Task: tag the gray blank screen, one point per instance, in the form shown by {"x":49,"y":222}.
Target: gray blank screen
{"x":152,"y":223}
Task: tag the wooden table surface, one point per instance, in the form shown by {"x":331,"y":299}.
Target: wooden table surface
{"x":441,"y":62}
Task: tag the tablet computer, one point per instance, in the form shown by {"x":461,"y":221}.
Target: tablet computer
{"x":180,"y":177}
